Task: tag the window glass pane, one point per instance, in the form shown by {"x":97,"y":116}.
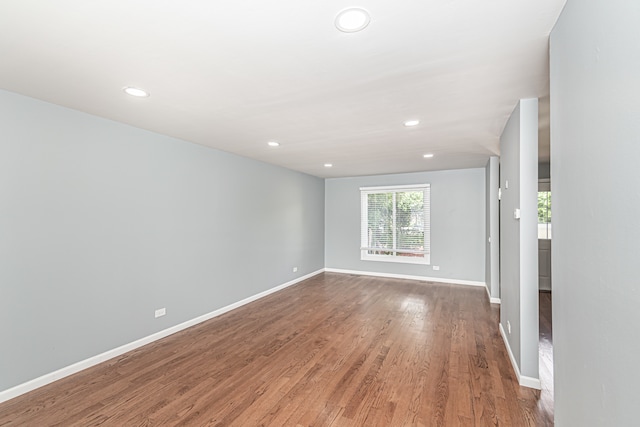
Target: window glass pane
{"x":544,"y":215}
{"x":410,"y":222}
{"x":380,"y":223}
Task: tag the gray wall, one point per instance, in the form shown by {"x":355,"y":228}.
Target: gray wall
{"x":492,"y":242}
{"x":544,"y":170}
{"x":102,"y":223}
{"x":595,"y":131}
{"x":457,"y":224}
{"x":518,"y":237}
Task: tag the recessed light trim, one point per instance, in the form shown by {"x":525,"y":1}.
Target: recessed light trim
{"x":328,"y":165}
{"x":352,"y":20}
{"x":137,"y":92}
{"x":273,"y":144}
{"x":428,"y":156}
{"x":411,"y":123}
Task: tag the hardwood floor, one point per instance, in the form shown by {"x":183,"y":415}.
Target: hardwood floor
{"x":334,"y":350}
{"x":546,"y":351}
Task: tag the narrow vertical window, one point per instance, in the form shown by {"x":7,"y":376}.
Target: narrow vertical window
{"x":544,"y":214}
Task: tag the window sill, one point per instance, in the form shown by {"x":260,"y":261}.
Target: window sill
{"x":396,"y":259}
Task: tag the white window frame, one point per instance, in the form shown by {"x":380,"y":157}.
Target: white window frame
{"x":364,"y":226}
{"x":544,"y":186}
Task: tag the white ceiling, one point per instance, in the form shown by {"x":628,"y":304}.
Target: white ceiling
{"x":235,"y":74}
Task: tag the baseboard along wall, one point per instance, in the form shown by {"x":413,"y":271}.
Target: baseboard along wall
{"x":522,"y":379}
{"x":110,"y":354}
{"x":406,"y":276}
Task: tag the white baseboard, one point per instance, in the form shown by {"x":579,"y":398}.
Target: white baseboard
{"x":522,"y":379}
{"x":110,"y":354}
{"x":492,"y":300}
{"x":406,"y":276}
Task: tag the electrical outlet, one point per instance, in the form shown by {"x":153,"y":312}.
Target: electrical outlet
{"x":509,"y":327}
{"x":161,"y":312}
{"x":436,"y":267}
{"x":295,"y":269}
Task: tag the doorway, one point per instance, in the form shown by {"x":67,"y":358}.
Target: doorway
{"x":545,"y":344}
{"x":544,"y":234}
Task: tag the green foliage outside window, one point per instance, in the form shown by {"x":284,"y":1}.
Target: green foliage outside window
{"x":409,"y":227}
{"x":544,"y":207}
{"x":544,"y":215}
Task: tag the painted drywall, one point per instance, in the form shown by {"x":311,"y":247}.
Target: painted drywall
{"x":595,"y":147}
{"x":103,"y":223}
{"x":457,"y":224}
{"x":492,"y":242}
{"x":510,"y":232}
{"x":529,"y":310}
{"x":518,"y":237}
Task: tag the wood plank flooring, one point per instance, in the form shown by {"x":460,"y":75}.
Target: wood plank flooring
{"x":334,"y":350}
{"x":546,"y":351}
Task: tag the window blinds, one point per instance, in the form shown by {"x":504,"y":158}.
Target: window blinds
{"x":395,"y":221}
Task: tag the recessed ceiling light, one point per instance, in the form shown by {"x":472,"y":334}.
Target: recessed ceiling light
{"x":328,"y":165}
{"x":273,"y":144}
{"x":428,"y":156}
{"x":352,"y":20}
{"x":410,"y":123}
{"x":134,"y":91}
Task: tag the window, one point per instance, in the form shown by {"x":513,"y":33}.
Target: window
{"x":395,"y":224}
{"x":544,"y":214}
